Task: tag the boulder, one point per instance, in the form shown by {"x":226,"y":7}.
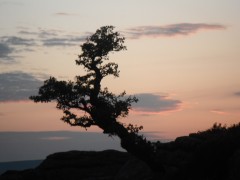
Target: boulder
{"x":135,"y":169}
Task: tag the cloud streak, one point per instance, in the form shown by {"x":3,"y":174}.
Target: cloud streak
{"x":170,"y":30}
{"x":5,"y":52}
{"x":41,"y":33}
{"x":55,"y":138}
{"x":153,"y":104}
{"x":10,"y":46}
{"x":51,"y":38}
{"x":64,"y":14}
{"x":17,"y":41}
{"x":16,"y":86}
{"x":68,"y":41}
{"x":27,"y":41}
{"x":218,"y":111}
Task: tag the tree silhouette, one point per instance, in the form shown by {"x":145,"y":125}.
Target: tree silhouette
{"x":99,"y":107}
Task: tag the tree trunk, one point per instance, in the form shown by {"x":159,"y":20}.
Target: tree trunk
{"x":133,"y":143}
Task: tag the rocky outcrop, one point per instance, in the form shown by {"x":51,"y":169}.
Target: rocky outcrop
{"x":85,"y":165}
{"x":114,"y":165}
{"x":135,"y":169}
{"x":234,"y":166}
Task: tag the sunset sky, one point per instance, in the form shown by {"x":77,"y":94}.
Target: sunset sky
{"x":182,"y":60}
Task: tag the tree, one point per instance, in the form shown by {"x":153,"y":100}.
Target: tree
{"x":99,"y":107}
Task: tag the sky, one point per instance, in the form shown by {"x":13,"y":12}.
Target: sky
{"x":182,"y":60}
{"x":38,"y":145}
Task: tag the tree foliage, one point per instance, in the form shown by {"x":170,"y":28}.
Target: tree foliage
{"x":99,"y":107}
{"x":85,"y":93}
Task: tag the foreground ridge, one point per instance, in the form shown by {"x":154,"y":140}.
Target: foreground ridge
{"x":213,"y":154}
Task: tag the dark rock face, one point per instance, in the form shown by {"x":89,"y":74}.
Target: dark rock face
{"x":212,"y":154}
{"x":114,"y":165}
{"x":135,"y":169}
{"x":234,"y":166}
{"x":84,"y":165}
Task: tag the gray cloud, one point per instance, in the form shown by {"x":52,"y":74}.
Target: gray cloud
{"x":57,"y":42}
{"x":170,"y":30}
{"x":53,"y":38}
{"x":25,"y":32}
{"x":237,"y":93}
{"x":15,"y":86}
{"x":41,"y":33}
{"x":28,"y":40}
{"x":11,"y":45}
{"x":155,"y":103}
{"x":67,"y":41}
{"x":17,"y":41}
{"x":5,"y":50}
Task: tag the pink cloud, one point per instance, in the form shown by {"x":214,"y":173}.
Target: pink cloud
{"x":218,"y":111}
{"x":171,"y":30}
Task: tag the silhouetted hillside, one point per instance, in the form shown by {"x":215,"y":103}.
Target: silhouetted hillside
{"x":213,"y":154}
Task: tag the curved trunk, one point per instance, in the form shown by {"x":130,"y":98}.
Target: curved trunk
{"x":133,"y":143}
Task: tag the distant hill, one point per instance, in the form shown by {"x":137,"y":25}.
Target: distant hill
{"x":18,"y":165}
